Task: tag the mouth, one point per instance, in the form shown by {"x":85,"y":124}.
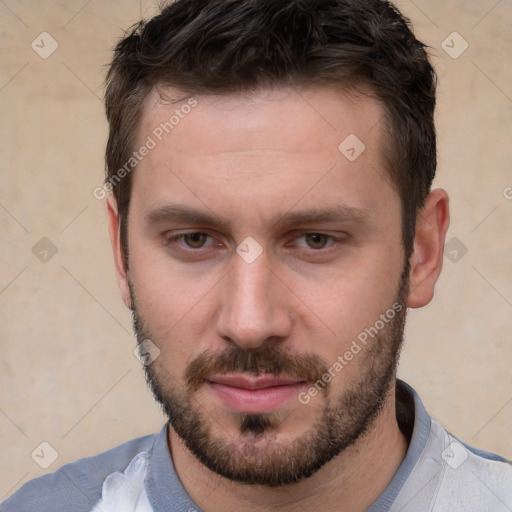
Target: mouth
{"x":254,"y":393}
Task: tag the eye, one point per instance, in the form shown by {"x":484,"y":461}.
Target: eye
{"x":315,"y":241}
{"x":193,"y":240}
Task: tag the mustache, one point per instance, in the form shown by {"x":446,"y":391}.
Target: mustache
{"x":268,"y":360}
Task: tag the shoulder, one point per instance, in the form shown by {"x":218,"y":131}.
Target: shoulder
{"x":76,"y":486}
{"x":484,"y":475}
{"x":475,"y":479}
{"x":441,"y":472}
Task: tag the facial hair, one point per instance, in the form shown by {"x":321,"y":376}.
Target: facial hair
{"x":254,"y":456}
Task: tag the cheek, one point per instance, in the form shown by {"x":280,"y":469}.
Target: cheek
{"x":175,"y":305}
{"x":348,"y":299}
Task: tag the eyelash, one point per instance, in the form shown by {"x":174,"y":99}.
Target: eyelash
{"x":173,"y":240}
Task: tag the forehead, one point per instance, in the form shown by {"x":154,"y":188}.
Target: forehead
{"x":314,"y":118}
{"x":264,"y":150}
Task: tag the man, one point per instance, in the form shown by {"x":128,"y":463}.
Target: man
{"x":271,"y":219}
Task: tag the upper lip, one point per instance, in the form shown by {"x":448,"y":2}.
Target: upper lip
{"x":253,"y":382}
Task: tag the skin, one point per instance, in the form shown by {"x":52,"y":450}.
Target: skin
{"x":248,"y":161}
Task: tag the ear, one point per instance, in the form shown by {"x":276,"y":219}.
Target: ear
{"x":117,"y":248}
{"x":427,"y":257}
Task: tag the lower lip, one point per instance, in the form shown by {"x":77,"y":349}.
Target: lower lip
{"x":255,"y":400}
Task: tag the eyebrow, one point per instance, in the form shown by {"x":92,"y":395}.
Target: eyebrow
{"x":188,"y":215}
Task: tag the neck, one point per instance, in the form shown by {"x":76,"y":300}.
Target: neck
{"x":352,"y":481}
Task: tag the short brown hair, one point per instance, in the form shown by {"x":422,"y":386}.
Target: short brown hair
{"x":231,"y":46}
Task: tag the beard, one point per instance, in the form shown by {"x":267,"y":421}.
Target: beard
{"x":256,"y":455}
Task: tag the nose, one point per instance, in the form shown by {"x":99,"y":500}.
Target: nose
{"x":255,"y":305}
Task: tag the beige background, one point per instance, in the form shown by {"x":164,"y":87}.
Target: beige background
{"x":68,"y":375}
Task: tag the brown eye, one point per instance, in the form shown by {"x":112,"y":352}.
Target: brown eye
{"x":316,"y":240}
{"x":195,"y":240}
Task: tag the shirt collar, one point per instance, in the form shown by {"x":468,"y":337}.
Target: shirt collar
{"x":420,"y":432}
{"x":163,"y":487}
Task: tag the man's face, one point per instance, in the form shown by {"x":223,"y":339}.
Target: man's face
{"x":264,"y":259}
